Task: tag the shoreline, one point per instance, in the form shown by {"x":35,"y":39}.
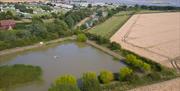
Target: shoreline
{"x":37,"y":45}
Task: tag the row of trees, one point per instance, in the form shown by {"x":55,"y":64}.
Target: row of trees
{"x":75,"y":16}
{"x":137,"y":63}
{"x":89,"y":81}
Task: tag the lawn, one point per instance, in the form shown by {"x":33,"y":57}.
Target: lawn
{"x":110,"y":26}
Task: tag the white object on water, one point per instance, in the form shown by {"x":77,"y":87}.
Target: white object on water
{"x":41,"y":43}
{"x":55,"y":57}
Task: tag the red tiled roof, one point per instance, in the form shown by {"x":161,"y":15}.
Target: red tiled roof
{"x":7,"y":22}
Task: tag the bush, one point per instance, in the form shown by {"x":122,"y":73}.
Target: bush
{"x":65,"y":83}
{"x":102,"y":40}
{"x":106,"y":76}
{"x":125,"y":73}
{"x":154,"y":76}
{"x":66,"y":79}
{"x":81,"y":38}
{"x":90,"y":82}
{"x":114,"y":46}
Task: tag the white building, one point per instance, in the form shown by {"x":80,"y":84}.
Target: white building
{"x":66,"y":6}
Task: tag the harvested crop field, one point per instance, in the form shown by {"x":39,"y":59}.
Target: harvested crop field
{"x":154,"y":36}
{"x":170,"y":85}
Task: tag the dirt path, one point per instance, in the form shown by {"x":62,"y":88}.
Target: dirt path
{"x":82,"y":22}
{"x":17,"y":49}
{"x":171,"y":85}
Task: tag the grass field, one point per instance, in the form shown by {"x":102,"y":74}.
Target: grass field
{"x":109,"y":27}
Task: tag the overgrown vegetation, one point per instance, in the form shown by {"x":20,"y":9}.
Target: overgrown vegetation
{"x":39,"y":30}
{"x":90,"y":82}
{"x":8,"y":15}
{"x":65,"y":83}
{"x":18,"y":74}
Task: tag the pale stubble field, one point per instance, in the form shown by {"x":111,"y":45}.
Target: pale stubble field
{"x":155,"y":36}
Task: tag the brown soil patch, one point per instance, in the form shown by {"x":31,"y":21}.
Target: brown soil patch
{"x":171,"y":85}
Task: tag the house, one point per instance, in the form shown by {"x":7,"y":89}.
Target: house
{"x":66,"y":6}
{"x":7,"y":24}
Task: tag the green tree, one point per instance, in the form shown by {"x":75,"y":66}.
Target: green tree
{"x":9,"y":15}
{"x":130,"y":57}
{"x":81,"y":38}
{"x":90,"y":82}
{"x":146,"y":67}
{"x":65,"y":83}
{"x":125,"y":73}
{"x":2,"y":15}
{"x":137,"y":63}
{"x":38,"y":28}
{"x":106,"y":76}
{"x":69,"y":20}
{"x":66,"y":79}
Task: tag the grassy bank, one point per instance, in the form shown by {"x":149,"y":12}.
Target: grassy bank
{"x":18,"y":74}
{"x":109,"y":27}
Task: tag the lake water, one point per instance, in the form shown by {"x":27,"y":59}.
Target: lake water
{"x":59,"y":59}
{"x":142,"y":2}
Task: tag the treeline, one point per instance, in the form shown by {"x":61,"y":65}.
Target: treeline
{"x":159,"y":7}
{"x":75,"y":16}
{"x":18,"y":74}
{"x":90,"y":81}
{"x":135,"y":7}
{"x":39,"y":30}
{"x":8,"y":15}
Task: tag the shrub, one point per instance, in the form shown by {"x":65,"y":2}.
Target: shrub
{"x":81,"y":38}
{"x":101,"y":40}
{"x":106,"y":76}
{"x":90,"y":82}
{"x":125,"y":73}
{"x":66,"y":79}
{"x":146,"y":67}
{"x":154,"y":76}
{"x":65,"y":83}
{"x":114,"y":46}
{"x":137,"y":63}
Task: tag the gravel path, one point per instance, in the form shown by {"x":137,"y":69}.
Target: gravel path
{"x":171,"y":85}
